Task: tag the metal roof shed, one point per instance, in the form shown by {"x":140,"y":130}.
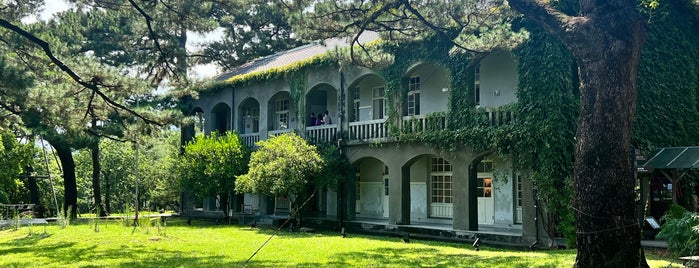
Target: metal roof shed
{"x":674,"y":163}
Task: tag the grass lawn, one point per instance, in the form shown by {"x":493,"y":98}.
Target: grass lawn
{"x":206,"y":245}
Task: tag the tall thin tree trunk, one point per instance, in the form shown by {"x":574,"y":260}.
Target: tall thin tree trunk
{"x":96,"y":172}
{"x":107,"y":195}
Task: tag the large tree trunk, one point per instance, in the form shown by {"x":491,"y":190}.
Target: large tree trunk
{"x":608,"y":232}
{"x":96,"y":172}
{"x":70,"y":187}
{"x":606,"y":41}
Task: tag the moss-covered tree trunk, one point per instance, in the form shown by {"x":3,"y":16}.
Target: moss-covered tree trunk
{"x":606,"y":40}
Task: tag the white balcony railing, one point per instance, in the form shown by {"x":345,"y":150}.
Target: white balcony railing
{"x":324,"y":133}
{"x":365,"y":130}
{"x":496,"y":117}
{"x":421,"y":123}
{"x":279,"y":132}
{"x":250,"y":138}
{"x":441,"y":210}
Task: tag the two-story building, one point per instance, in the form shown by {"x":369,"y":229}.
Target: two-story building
{"x":397,"y":184}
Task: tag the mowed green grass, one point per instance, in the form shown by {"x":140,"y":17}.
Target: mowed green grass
{"x":206,"y":245}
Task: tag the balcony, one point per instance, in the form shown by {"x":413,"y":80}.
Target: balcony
{"x":368,"y":130}
{"x":496,"y":117}
{"x":279,"y":132}
{"x":322,"y":134}
{"x":250,"y":138}
{"x":376,"y":131}
{"x":422,"y":123}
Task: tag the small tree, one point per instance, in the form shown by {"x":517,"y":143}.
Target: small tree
{"x":209,"y":165}
{"x":282,"y":166}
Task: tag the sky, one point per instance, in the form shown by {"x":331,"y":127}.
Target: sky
{"x":199,"y":71}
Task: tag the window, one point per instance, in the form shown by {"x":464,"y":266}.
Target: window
{"x":414,"y":95}
{"x":485,"y":181}
{"x":354,"y":116}
{"x":477,"y":86}
{"x":518,"y":219}
{"x":385,"y":180}
{"x":441,"y":181}
{"x":281,"y":109}
{"x":379,"y":103}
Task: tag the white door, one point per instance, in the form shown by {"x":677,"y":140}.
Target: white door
{"x":248,"y":124}
{"x":371,"y":201}
{"x":486,"y":209}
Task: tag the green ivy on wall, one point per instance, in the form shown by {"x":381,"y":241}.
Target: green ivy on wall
{"x":668,"y":80}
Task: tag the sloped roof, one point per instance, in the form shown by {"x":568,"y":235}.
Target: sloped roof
{"x":674,"y":158}
{"x":291,"y":56}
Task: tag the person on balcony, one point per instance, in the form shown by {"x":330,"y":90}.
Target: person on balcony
{"x":326,"y":118}
{"x":319,"y":119}
{"x":312,"y":121}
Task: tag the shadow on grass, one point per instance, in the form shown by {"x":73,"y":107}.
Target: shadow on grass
{"x":401,"y":257}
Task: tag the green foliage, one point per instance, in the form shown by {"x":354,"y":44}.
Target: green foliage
{"x":675,"y":211}
{"x":251,"y":29}
{"x":682,"y":233}
{"x":668,"y":80}
{"x":547,"y":112}
{"x":282,"y":166}
{"x":209,"y":164}
{"x":158,"y":188}
{"x":334,"y":170}
{"x":14,"y":156}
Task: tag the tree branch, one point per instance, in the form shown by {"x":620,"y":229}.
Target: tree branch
{"x":553,"y":21}
{"x":92,"y":86}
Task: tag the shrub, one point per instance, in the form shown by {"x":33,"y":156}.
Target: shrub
{"x":682,"y":233}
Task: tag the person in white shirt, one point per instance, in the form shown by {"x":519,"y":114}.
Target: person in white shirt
{"x":326,"y":119}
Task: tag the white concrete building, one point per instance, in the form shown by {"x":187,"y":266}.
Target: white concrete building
{"x":396,"y":184}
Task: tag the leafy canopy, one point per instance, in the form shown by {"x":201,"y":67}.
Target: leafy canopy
{"x":282,"y":166}
{"x":209,"y":164}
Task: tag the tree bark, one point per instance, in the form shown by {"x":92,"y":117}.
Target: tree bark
{"x":65,"y":155}
{"x":606,"y":42}
{"x":107,"y":195}
{"x":96,"y":172}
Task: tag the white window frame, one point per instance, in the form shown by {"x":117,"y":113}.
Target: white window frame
{"x":378,"y":98}
{"x":356,"y":101}
{"x":485,"y":183}
{"x":441,"y":181}
{"x":518,"y":200}
{"x":281,"y":111}
{"x":414,"y":95}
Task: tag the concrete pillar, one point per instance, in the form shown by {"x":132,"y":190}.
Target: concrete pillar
{"x":463,"y":193}
{"x":399,"y":195}
{"x":350,"y":198}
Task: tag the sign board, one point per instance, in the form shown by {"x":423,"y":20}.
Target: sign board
{"x":653,"y":223}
